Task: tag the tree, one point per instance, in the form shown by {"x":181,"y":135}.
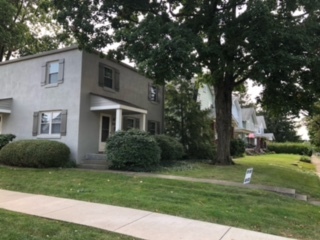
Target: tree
{"x":313,"y":125}
{"x":283,"y":127}
{"x":185,"y":120}
{"x":23,"y":27}
{"x":230,"y":40}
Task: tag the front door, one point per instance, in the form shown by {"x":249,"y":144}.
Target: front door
{"x":105,"y":127}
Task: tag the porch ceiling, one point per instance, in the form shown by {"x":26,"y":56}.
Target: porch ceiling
{"x":5,"y":105}
{"x":100,"y":103}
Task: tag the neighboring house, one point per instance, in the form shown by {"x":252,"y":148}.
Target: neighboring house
{"x":240,"y":131}
{"x":260,"y":135}
{"x":76,"y":98}
{"x":250,"y":123}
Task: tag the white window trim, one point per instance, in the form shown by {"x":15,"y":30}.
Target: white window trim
{"x":48,"y":135}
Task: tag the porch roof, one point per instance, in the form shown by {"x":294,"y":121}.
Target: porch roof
{"x":99,"y":103}
{"x":5,"y":105}
{"x":243,"y":130}
{"x":268,"y":136}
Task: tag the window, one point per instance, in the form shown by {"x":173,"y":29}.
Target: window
{"x":130,"y":122}
{"x":153,"y":93}
{"x":108,"y":77}
{"x":154,"y":127}
{"x":50,"y":123}
{"x":52,"y":73}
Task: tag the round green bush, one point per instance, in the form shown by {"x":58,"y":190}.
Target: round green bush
{"x":237,"y":147}
{"x":133,"y":150}
{"x":171,"y":148}
{"x":35,"y":153}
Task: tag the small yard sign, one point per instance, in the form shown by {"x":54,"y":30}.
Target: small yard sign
{"x":248,"y":176}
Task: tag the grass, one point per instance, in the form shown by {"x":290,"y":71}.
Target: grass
{"x":19,"y":226}
{"x":249,"y":209}
{"x":282,"y":170}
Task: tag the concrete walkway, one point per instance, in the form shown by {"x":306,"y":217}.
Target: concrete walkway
{"x":132,"y":222}
{"x":316,"y":161}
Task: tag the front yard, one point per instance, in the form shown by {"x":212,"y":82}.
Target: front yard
{"x":244,"y":208}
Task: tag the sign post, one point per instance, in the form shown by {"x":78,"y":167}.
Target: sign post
{"x":248,"y":176}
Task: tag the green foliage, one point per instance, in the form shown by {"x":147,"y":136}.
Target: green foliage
{"x":266,"y":41}
{"x":5,"y":139}
{"x":237,"y":148}
{"x":305,"y":159}
{"x":35,"y":153}
{"x":282,"y":127}
{"x":185,"y":120}
{"x":291,"y":148}
{"x":22,"y":28}
{"x":171,"y":148}
{"x":313,"y":125}
{"x":133,"y":150}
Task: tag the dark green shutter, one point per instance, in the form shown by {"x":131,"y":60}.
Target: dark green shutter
{"x":61,"y":71}
{"x":44,"y":74}
{"x":116,"y":80}
{"x":101,"y":75}
{"x":63,"y":128}
{"x":35,"y":124}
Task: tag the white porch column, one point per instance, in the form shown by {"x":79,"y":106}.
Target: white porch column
{"x":143,"y":121}
{"x":119,"y":119}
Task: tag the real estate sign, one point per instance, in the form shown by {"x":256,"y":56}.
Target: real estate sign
{"x":248,"y":176}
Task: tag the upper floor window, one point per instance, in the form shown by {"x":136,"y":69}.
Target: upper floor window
{"x":53,"y":73}
{"x":153,"y":93}
{"x":108,"y":77}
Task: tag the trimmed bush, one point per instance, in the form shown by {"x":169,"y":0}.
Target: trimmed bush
{"x":5,"y":139}
{"x":171,"y":148}
{"x":35,"y":153}
{"x":202,"y":151}
{"x":305,"y":159}
{"x":133,"y":150}
{"x":291,"y":148}
{"x":237,"y":148}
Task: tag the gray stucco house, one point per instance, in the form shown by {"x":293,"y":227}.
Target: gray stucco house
{"x":76,"y":98}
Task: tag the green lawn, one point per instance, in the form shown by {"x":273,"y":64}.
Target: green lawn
{"x":244,"y":208}
{"x":14,"y":226}
{"x":282,"y":170}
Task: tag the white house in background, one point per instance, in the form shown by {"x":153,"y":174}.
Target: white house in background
{"x":239,"y":131}
{"x":77,"y":98}
{"x":260,"y":135}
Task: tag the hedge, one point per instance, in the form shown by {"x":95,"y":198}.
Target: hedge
{"x":171,"y":148}
{"x":237,"y":148}
{"x":133,"y":150}
{"x":5,"y":139}
{"x":291,"y":148}
{"x":35,"y":153}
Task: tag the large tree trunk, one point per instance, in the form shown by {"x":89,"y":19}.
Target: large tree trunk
{"x":223,"y":100}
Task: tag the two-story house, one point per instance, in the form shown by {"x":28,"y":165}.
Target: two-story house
{"x":260,"y":135}
{"x":77,"y":98}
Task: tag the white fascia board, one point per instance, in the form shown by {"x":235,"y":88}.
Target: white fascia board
{"x":5,"y":111}
{"x":133,"y":109}
{"x":108,"y":107}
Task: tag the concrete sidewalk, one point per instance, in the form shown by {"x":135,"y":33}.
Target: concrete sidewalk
{"x":137,"y":223}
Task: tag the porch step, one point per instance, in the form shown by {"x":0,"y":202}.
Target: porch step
{"x":94,"y":164}
{"x":95,"y":161}
{"x":96,"y":156}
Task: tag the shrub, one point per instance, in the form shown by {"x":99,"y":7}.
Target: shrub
{"x":291,"y":148}
{"x":202,"y":150}
{"x":237,"y":148}
{"x":133,"y":150}
{"x":171,"y":148}
{"x":5,"y":139}
{"x":305,"y":159}
{"x":35,"y":153}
